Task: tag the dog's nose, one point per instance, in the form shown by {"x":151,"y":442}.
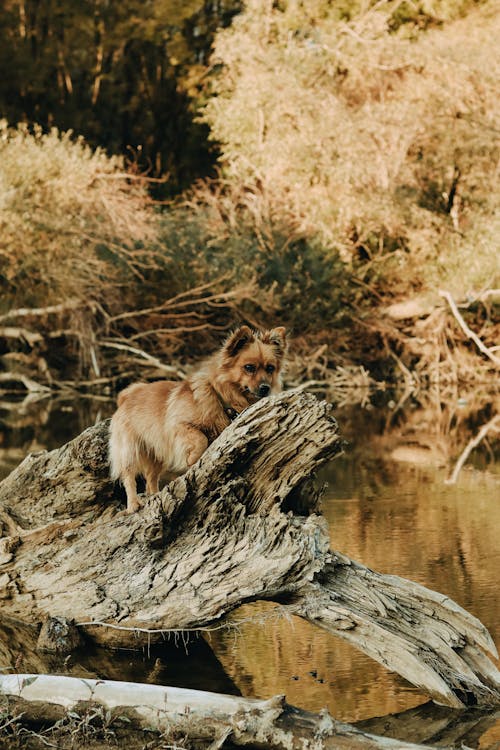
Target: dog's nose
{"x":264,"y":389}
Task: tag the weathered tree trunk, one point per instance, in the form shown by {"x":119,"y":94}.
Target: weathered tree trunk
{"x":195,"y":714}
{"x":240,"y":525}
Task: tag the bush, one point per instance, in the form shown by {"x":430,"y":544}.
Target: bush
{"x":369,"y":130}
{"x":221,"y":234}
{"x":73,"y":223}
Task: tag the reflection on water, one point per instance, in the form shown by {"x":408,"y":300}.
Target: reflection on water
{"x":33,"y":424}
{"x":396,"y":516}
{"x":401,"y":520}
{"x":388,"y":506}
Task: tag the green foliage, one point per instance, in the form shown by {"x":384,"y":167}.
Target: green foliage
{"x":121,"y":74}
{"x":300,"y":283}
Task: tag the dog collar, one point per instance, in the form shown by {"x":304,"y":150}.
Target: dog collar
{"x":228,"y":410}
{"x":231,"y":413}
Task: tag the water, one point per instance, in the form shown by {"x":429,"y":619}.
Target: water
{"x":388,"y":505}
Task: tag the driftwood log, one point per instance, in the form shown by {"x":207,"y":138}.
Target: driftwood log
{"x":208,"y":718}
{"x":68,"y":705}
{"x":20,"y":702}
{"x":242,"y":524}
{"x":427,"y":724}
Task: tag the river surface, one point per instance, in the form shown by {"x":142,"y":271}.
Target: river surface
{"x":390,"y":506}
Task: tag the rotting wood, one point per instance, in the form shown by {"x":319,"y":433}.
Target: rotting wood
{"x":196,"y":714}
{"x":240,"y":525}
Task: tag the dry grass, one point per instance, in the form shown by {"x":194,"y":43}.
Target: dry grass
{"x":90,"y":288}
{"x":370,"y":131}
{"x":72,"y":222}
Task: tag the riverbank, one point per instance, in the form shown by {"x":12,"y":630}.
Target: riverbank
{"x":373,"y":238}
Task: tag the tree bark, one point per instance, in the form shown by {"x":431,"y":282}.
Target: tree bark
{"x":240,"y":525}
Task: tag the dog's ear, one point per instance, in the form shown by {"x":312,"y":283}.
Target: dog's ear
{"x":277,"y":337}
{"x":238,"y":340}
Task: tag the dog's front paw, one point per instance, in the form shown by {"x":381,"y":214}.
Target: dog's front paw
{"x":133,"y":506}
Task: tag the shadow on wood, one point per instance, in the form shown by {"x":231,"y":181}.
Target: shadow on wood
{"x":242,"y":524}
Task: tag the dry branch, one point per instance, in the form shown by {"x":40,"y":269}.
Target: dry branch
{"x":31,"y":385}
{"x":465,"y":328}
{"x":33,"y":312}
{"x":166,"y":369}
{"x":493,"y":425}
{"x":241,"y":525}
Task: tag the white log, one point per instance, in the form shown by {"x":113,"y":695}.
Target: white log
{"x":195,"y":713}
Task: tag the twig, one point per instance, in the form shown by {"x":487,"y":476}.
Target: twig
{"x":369,"y":287}
{"x":180,"y":300}
{"x":277,"y":613}
{"x":95,"y":363}
{"x":465,"y":328}
{"x":31,"y":385}
{"x":480,"y":297}
{"x":488,"y":293}
{"x":22,"y":312}
{"x":152,"y":360}
{"x":176,"y":331}
{"x":410,"y":382}
{"x":128,"y":176}
{"x":11,"y":720}
{"x":310,"y":384}
{"x":78,"y":383}
{"x":15,"y":332}
{"x":493,"y":424}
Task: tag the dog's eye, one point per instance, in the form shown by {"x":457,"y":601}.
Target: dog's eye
{"x":270,"y":369}
{"x":250,"y":368}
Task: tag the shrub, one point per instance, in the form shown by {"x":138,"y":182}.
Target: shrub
{"x":223,"y":233}
{"x":73,"y":223}
{"x":372,"y":130}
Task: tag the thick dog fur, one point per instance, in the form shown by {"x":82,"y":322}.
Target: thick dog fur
{"x":167,"y":425}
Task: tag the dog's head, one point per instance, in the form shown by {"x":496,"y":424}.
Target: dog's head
{"x":253,"y":360}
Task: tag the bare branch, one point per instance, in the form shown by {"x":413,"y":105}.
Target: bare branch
{"x":492,"y":426}
{"x":465,"y":328}
{"x":23,"y":312}
{"x":150,"y":359}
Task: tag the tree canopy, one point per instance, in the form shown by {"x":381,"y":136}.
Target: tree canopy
{"x":123,"y":75}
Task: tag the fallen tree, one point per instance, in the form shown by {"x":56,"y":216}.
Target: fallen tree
{"x":191,"y":714}
{"x":242,"y":524}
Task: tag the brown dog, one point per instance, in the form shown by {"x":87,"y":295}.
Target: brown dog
{"x":167,"y":425}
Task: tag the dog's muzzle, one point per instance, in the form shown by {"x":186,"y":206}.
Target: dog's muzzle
{"x":264,"y":390}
